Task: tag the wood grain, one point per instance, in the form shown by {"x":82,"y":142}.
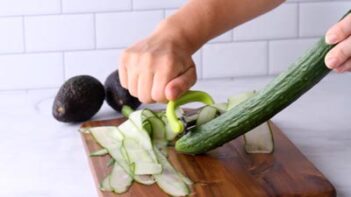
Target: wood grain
{"x":229,"y":171}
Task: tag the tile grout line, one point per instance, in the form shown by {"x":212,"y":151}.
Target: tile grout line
{"x":268,"y":58}
{"x":23,"y":35}
{"x":64,"y":66}
{"x":298,"y":20}
{"x":95,"y":31}
{"x":147,"y":9}
{"x":27,"y":89}
{"x":132,"y":5}
{"x":123,"y":47}
{"x":61,"y":6}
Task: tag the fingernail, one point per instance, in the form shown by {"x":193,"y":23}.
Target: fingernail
{"x":331,"y":39}
{"x":331,"y":62}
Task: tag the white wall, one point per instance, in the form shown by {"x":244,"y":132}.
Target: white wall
{"x":44,"y":42}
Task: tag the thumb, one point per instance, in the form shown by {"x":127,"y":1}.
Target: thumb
{"x":179,"y":85}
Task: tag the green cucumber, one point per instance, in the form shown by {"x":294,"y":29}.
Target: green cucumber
{"x":277,"y":95}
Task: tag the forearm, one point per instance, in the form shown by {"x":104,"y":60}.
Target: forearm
{"x":201,"y":20}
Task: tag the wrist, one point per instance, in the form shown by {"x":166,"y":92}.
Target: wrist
{"x":172,"y":31}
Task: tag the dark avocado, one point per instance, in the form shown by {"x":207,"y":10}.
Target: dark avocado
{"x":116,"y":95}
{"x":78,"y":99}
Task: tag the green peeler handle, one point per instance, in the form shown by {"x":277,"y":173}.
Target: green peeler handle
{"x":189,"y":97}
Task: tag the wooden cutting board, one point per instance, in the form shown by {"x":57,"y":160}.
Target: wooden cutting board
{"x":229,"y":171}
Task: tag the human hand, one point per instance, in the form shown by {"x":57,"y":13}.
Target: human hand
{"x":339,"y":58}
{"x":158,"y":68}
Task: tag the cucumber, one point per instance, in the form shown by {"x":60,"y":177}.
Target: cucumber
{"x":277,"y":95}
{"x":259,"y":139}
{"x":169,"y":180}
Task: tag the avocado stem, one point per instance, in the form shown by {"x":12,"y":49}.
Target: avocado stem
{"x":126,"y":110}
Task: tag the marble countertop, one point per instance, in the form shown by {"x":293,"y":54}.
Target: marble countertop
{"x":41,"y":157}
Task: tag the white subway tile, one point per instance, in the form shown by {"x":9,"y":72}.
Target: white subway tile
{"x":169,"y":12}
{"x":98,"y":64}
{"x":27,"y":71}
{"x":197,"y":60}
{"x":155,"y":4}
{"x":283,"y":53}
{"x":125,"y":28}
{"x":57,"y":33}
{"x":234,"y":59}
{"x":95,"y":5}
{"x":11,"y":35}
{"x":316,"y":18}
{"x":225,"y":37}
{"x":278,"y":23}
{"x":29,"y":7}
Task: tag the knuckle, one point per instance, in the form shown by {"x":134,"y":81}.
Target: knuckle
{"x":340,"y":52}
{"x":168,"y":59}
{"x":145,"y":99}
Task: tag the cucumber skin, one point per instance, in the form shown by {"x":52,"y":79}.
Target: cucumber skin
{"x":278,"y":94}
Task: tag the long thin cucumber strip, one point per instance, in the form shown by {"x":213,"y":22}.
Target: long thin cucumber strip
{"x":145,"y":179}
{"x":142,"y":168}
{"x":259,"y":139}
{"x":120,"y":180}
{"x":111,"y":139}
{"x":98,"y":153}
{"x":169,"y":180}
{"x":140,"y":158}
{"x":130,"y":131}
{"x":170,"y":135}
{"x":206,"y":114}
{"x":190,"y":96}
{"x":105,"y":184}
{"x":237,"y":99}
